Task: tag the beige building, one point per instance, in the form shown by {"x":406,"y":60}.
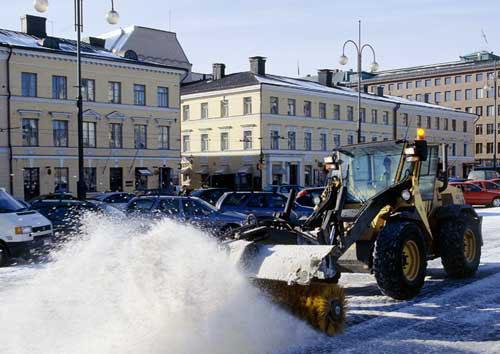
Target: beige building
{"x":131,"y":116}
{"x":253,"y":129}
{"x":467,"y":85}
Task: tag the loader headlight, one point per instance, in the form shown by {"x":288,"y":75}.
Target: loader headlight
{"x":20,"y":230}
{"x":406,"y":195}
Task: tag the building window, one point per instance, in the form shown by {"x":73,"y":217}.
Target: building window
{"x":28,"y":84}
{"x":405,"y":119}
{"x":418,"y":83}
{"x":429,"y":122}
{"x":362,"y":139}
{"x":385,"y":117}
{"x":186,"y":146}
{"x":60,"y":133}
{"x":468,"y":109}
{"x":453,"y":149}
{"x":291,"y":107}
{"x":437,"y":97}
{"x":458,"y":95}
{"x":89,"y":139}
{"x":479,"y":93}
{"x":479,"y":129}
{"x":363,"y":115}
{"x":224,"y":108}
{"x":162,"y":95}
{"x":468,"y":78}
{"x":437,"y":125}
{"x":322,"y":141}
{"x":489,"y":129}
{"x":115,"y":135}
{"x":336,"y":112}
{"x":447,"y":80}
{"x":479,"y":110}
{"x":185,"y":112}
{"x":490,"y":92}
{"x":489,"y":148}
{"x":479,"y":148}
{"x":374,"y":116}
{"x":465,"y":149}
{"x":445,"y":123}
{"x":437,"y":81}
{"x":204,"y":142}
{"x":428,"y":83}
{"x":350,"y":113}
{"x":307,"y":141}
{"x":88,"y":90}
{"x":141,"y":178}
{"x":409,"y":85}
{"x":292,"y":140}
{"x":224,"y":141}
{"x":204,"y":110}
{"x":447,"y":96}
{"x":247,"y":140}
{"x":275,"y":140}
{"x":454,"y":125}
{"x":374,"y":138}
{"x":490,"y":111}
{"x":114,"y":92}
{"x":140,"y":136}
{"x":468,"y":94}
{"x":90,"y":178}
{"x":322,"y":110}
{"x":307,"y":108}
{"x":419,"y":97}
{"x":465,"y":126}
{"x":419,"y":121}
{"x":61,"y":175}
{"x":390,"y":87}
{"x":274,"y":105}
{"x":336,"y":140}
{"x":350,"y":139}
{"x":400,"y":85}
{"x":59,"y":87}
{"x":247,"y":105}
{"x":164,"y":138}
{"x":458,"y":79}
{"x":479,"y":77}
{"x":139,"y":95}
{"x":30,"y":132}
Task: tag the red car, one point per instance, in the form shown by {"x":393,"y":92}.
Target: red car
{"x":476,"y":194}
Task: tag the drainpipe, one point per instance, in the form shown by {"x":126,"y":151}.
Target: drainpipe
{"x":9,"y":125}
{"x":395,"y":121}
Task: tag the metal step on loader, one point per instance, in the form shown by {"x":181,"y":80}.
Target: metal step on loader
{"x":387,"y":209}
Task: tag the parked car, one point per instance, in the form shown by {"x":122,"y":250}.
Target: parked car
{"x":21,"y":230}
{"x":482,"y":174}
{"x":260,"y":204}
{"x":66,"y":215}
{"x":309,"y":197}
{"x":283,"y":188}
{"x":187,"y":209}
{"x":489,"y":185}
{"x":117,"y":199}
{"x":155,"y":191}
{"x":475,"y":195}
{"x":210,"y":195}
{"x":53,"y":196}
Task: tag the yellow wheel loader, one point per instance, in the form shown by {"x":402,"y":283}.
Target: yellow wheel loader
{"x":387,"y":209}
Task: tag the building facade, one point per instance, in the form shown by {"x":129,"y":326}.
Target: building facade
{"x":253,"y":129}
{"x":469,"y":84}
{"x":131,"y":116}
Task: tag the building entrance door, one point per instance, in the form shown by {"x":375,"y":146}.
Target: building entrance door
{"x":116,"y":179}
{"x":165,"y":178}
{"x":31,"y":177}
{"x":293,"y":174}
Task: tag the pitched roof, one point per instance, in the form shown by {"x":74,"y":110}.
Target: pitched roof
{"x":245,"y":78}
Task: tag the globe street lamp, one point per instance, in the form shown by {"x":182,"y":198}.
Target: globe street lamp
{"x":373,"y":67}
{"x":112,"y":18}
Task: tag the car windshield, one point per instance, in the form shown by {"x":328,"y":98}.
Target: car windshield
{"x":372,"y":169}
{"x":9,"y":204}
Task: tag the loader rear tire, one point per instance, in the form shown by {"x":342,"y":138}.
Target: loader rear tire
{"x":460,"y":246}
{"x":399,"y":260}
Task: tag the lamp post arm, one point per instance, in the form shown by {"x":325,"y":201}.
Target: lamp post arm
{"x":369,"y":46}
{"x":353,"y":43}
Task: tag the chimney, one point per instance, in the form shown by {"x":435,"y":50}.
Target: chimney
{"x":97,"y":42}
{"x":218,"y":71}
{"x":258,"y":65}
{"x":325,"y":77}
{"x":34,"y":26}
{"x":380,"y":91}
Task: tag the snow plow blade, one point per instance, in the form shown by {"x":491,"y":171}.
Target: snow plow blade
{"x":295,"y":277}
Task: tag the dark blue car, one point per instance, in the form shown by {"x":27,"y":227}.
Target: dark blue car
{"x":187,"y":209}
{"x":260,"y":204}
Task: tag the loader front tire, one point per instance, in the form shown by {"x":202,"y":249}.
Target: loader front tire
{"x":460,"y":246}
{"x":399,"y":260}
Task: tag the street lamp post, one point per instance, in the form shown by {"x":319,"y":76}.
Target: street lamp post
{"x":373,"y":67}
{"x":495,"y":108}
{"x":112,"y":17}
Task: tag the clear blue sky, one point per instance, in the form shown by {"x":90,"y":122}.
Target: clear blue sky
{"x":403,"y":32}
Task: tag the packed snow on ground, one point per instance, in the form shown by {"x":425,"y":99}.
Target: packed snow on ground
{"x":167,"y":290}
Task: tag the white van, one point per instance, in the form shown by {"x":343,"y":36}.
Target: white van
{"x":21,"y":230}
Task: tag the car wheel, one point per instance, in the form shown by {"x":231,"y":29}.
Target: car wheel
{"x":496,"y":202}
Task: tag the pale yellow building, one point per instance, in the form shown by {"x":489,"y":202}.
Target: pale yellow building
{"x":239,"y":128}
{"x":131,"y":116}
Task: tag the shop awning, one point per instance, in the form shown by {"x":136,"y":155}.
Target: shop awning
{"x":246,"y":170}
{"x":143,"y":171}
{"x":203,"y":170}
{"x":278,"y":170}
{"x":223,"y":170}
{"x":186,"y":170}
